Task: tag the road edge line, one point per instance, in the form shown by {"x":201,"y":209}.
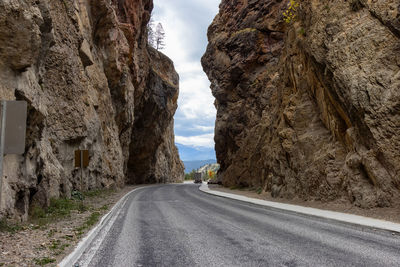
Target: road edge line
{"x":84,"y":243}
{"x":332,"y":215}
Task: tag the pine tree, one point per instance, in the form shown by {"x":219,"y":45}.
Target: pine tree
{"x":159,"y":37}
{"x":151,"y":33}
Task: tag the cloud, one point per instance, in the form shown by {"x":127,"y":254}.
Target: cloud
{"x":189,"y":153}
{"x":204,"y":128}
{"x":185,"y":24}
{"x":204,"y":140}
{"x":196,"y":100}
{"x":187,"y":20}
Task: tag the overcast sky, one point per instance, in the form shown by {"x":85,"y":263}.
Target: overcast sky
{"x":185,"y":23}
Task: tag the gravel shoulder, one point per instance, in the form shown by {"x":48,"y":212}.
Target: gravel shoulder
{"x":391,"y":214}
{"x":32,"y":244}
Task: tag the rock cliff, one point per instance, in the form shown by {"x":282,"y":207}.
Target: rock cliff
{"x":156,"y":159}
{"x":308,"y":108}
{"x":91,"y":82}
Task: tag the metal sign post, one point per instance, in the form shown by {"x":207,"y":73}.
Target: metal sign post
{"x":12,"y":132}
{"x":2,"y":133}
{"x":81,"y":172}
{"x":81,"y":161}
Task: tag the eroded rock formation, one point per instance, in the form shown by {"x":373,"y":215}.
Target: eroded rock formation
{"x":156,"y":159}
{"x":310,"y":108}
{"x":89,"y":78}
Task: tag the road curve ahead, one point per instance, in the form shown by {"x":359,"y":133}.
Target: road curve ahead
{"x":177,"y":225}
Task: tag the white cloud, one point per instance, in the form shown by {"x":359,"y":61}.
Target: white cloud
{"x":204,"y":128}
{"x":175,"y":33}
{"x":204,"y":140}
{"x":196,"y":100}
{"x":190,"y":68}
{"x":185,"y":24}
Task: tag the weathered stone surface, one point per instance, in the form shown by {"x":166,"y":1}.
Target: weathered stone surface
{"x":159,"y":101}
{"x":83,"y":67}
{"x":309,"y":109}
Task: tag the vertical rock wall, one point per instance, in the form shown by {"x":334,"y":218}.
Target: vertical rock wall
{"x":310,"y":108}
{"x":153,"y":155}
{"x":83,"y":67}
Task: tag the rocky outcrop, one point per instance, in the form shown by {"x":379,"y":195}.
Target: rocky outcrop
{"x":160,"y":101}
{"x":309,"y":108}
{"x":85,"y":70}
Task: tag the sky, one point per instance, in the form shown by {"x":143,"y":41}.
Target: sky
{"x":185,"y":23}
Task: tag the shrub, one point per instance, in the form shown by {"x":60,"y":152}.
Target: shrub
{"x":59,"y":208}
{"x":76,"y":195}
{"x":190,"y":176}
{"x":44,"y":261}
{"x":290,"y":13}
{"x":5,"y":226}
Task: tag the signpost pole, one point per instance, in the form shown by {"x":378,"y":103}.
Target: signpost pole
{"x":82,"y":171}
{"x":2,"y":133}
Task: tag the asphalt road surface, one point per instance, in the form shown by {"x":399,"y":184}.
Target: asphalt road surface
{"x":177,"y":225}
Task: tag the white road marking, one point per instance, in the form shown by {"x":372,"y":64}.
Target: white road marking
{"x":333,"y":215}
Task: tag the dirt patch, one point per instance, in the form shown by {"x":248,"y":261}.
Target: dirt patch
{"x":38,"y":244}
{"x":387,"y":214}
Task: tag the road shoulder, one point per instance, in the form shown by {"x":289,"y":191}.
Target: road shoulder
{"x":51,"y":241}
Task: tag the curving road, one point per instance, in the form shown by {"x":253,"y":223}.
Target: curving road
{"x":177,"y":225}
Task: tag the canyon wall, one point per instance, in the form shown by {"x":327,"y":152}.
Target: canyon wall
{"x":155,"y":159}
{"x":91,"y":82}
{"x":308,"y":107}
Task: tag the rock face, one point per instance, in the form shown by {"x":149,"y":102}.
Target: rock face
{"x":156,"y":159}
{"x":310,"y":108}
{"x":91,"y":82}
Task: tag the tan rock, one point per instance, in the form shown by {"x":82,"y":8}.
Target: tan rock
{"x":84,"y":68}
{"x":319,"y":99}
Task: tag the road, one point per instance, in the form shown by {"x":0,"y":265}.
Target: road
{"x":177,"y":225}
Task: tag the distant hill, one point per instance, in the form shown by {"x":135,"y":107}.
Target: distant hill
{"x":188,"y":153}
{"x":209,"y":167}
{"x":195,"y":164}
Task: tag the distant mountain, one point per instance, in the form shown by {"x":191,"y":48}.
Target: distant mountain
{"x":209,"y":167}
{"x":195,"y":164}
{"x":188,"y":153}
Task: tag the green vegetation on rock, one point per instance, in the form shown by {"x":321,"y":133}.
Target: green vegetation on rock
{"x":6,"y":226}
{"x":58,"y":209}
{"x":92,"y":220}
{"x":290,"y":13}
{"x":44,"y":261}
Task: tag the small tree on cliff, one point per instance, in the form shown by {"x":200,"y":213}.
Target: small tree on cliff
{"x":151,"y":33}
{"x":159,"y":37}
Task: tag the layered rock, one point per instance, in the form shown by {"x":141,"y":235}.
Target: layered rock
{"x":309,"y":108}
{"x":83,"y":67}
